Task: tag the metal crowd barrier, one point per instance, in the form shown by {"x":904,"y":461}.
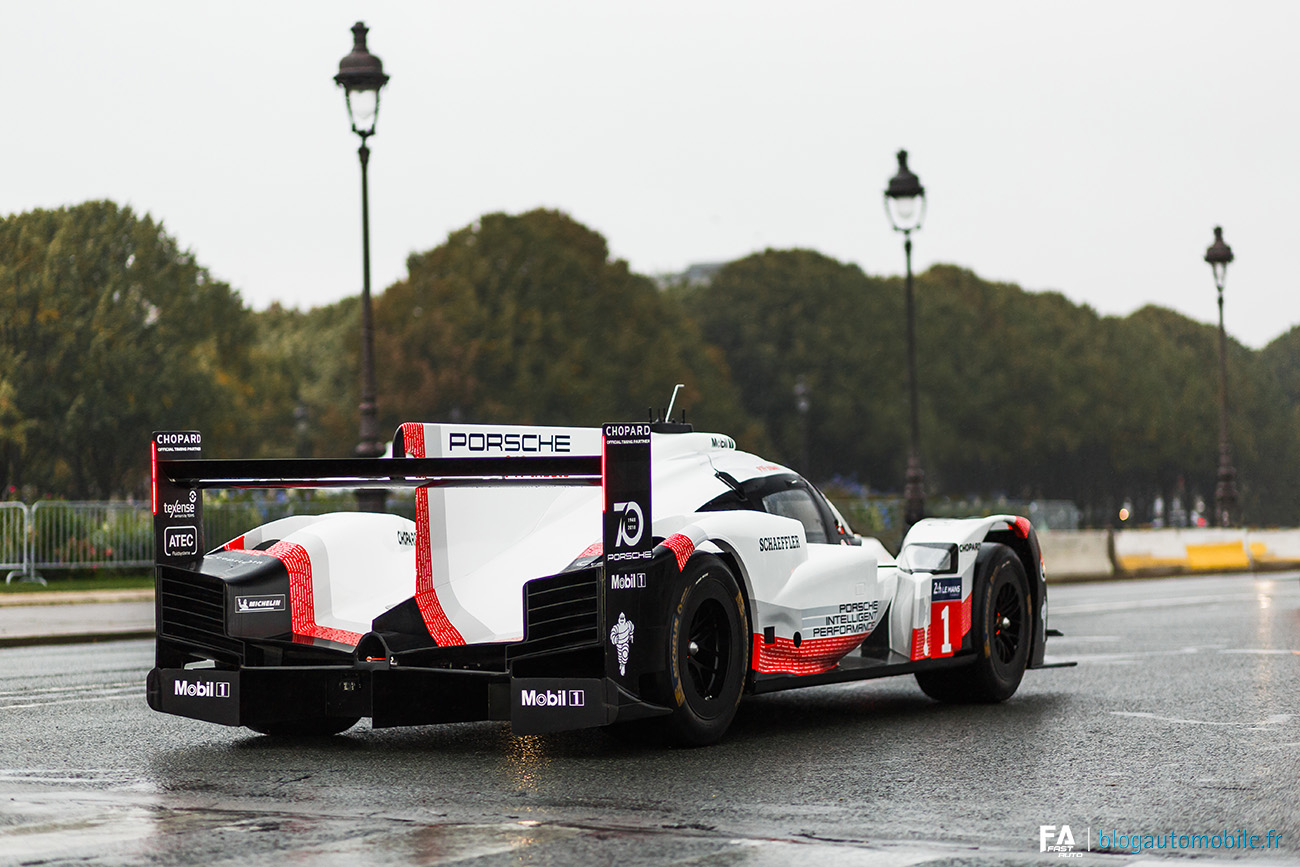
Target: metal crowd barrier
{"x":55,"y":534}
{"x":91,"y":535}
{"x":15,"y":533}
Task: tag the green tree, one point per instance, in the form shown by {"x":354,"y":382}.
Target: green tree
{"x":787,"y":319}
{"x":526,"y":319}
{"x":1021,"y":393}
{"x":307,"y":373}
{"x":108,"y":330}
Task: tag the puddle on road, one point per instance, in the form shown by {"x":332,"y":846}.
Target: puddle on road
{"x":50,"y":826}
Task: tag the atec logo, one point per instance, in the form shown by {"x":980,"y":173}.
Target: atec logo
{"x":553,"y":698}
{"x":180,"y":541}
{"x":631,"y":526}
{"x":1058,"y":840}
{"x":202,"y":689}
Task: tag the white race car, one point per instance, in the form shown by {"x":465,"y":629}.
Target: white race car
{"x":563,"y":578}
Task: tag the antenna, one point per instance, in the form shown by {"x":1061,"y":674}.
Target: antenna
{"x":672,"y":400}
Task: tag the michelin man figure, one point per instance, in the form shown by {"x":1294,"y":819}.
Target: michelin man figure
{"x":621,"y":637}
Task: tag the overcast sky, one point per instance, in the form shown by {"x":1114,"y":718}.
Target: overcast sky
{"x":1088,"y":148}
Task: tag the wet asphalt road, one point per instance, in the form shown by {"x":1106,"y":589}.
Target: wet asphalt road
{"x":1183,"y":716}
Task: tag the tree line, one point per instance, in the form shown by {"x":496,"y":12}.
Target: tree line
{"x":108,"y":330}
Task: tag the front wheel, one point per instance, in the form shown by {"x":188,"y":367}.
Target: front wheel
{"x":708,"y":654}
{"x":1002,"y":628}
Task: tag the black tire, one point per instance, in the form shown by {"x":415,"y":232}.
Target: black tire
{"x":317,"y":727}
{"x":708,"y":654}
{"x":1002,"y":630}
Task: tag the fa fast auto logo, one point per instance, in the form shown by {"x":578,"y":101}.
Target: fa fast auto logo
{"x":201,"y":689}
{"x":621,"y":637}
{"x":1057,"y":840}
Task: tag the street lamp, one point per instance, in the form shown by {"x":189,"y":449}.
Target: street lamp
{"x":1219,"y":255}
{"x":905,"y":204}
{"x":361,"y":75}
{"x":803,"y":403}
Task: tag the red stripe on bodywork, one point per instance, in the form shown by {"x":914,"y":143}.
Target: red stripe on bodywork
{"x":153,"y":473}
{"x":813,"y":656}
{"x":302,"y":600}
{"x":682,"y":547}
{"x":921,"y":637}
{"x":920,"y":642}
{"x":435,"y":619}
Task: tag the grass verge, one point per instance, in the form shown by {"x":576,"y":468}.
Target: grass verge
{"x":81,"y":581}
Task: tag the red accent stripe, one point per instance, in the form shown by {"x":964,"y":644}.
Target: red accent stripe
{"x":920,"y":641}
{"x":595,"y":549}
{"x":153,"y":472}
{"x":302,"y":600}
{"x":1022,"y":527}
{"x":435,"y":619}
{"x":921,"y":637}
{"x":813,"y":656}
{"x":682,"y":547}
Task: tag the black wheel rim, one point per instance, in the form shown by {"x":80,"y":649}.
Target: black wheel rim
{"x":1008,"y":623}
{"x":708,"y":649}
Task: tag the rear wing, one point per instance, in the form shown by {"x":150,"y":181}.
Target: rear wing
{"x":179,"y":474}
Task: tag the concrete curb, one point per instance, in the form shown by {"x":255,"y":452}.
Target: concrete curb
{"x":74,"y":597}
{"x":74,"y":638}
{"x":75,"y":617}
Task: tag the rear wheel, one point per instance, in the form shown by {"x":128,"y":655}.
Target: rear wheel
{"x":1001,"y":628}
{"x":708,"y":654}
{"x":306,"y":728}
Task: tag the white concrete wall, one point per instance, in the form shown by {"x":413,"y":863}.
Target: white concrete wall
{"x":1074,"y":554}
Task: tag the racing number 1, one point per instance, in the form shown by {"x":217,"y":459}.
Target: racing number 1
{"x":945,"y":608}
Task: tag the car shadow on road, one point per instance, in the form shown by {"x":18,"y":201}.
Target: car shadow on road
{"x":816,"y":719}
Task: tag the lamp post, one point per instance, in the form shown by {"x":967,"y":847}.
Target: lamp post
{"x":361,"y":75}
{"x":803,"y":403}
{"x":1219,"y":255}
{"x":905,"y":204}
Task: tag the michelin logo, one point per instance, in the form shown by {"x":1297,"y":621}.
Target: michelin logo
{"x":202,"y":689}
{"x":621,"y":636}
{"x":250,"y":604}
{"x":553,"y":698}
